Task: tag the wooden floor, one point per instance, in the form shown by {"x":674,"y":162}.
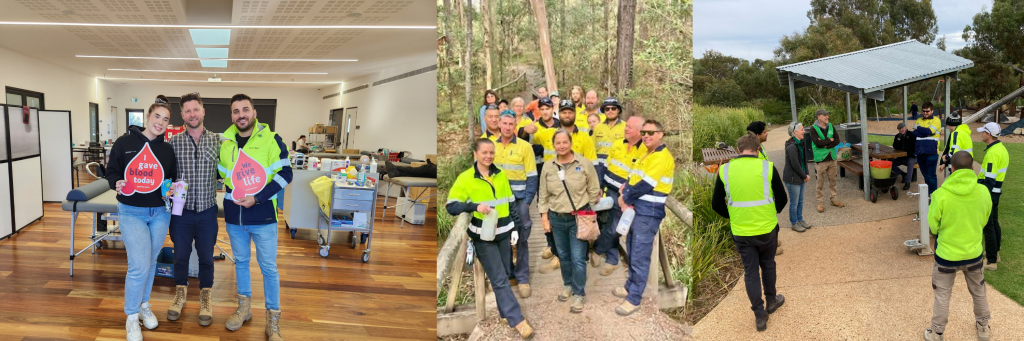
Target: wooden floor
{"x":335,"y":298}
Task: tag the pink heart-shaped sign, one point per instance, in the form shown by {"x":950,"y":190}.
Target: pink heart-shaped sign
{"x":143,"y":174}
{"x":248,"y":177}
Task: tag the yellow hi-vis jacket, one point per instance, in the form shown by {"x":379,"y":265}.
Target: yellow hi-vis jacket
{"x":960,"y":140}
{"x":517,"y":162}
{"x":621,"y":158}
{"x":582,"y":143}
{"x":927,"y":133}
{"x":605,"y":135}
{"x":993,"y":168}
{"x":650,"y":182}
{"x":472,"y":189}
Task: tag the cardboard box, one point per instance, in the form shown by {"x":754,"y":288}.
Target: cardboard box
{"x":330,"y":130}
{"x":432,"y":158}
{"x":311,"y":130}
{"x":350,"y":151}
{"x":415,"y":192}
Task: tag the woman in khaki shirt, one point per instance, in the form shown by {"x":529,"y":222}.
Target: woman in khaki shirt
{"x":556,"y":212}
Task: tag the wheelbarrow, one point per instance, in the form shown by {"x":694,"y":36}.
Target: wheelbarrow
{"x":880,"y":186}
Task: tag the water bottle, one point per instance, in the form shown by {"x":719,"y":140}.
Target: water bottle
{"x":489,"y":228}
{"x":625,"y":221}
{"x":361,"y":179}
{"x":373,"y":166}
{"x":347,"y":162}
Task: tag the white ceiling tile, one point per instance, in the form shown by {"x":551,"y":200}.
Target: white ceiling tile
{"x":79,"y":5}
{"x":254,"y":6}
{"x":387,"y":7}
{"x":120,"y":5}
{"x":131,"y":18}
{"x":168,"y":19}
{"x":38,"y":5}
{"x":159,"y":6}
{"x":293,"y":7}
{"x":344,"y":7}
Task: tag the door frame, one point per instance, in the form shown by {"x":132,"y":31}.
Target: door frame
{"x":348,"y":122}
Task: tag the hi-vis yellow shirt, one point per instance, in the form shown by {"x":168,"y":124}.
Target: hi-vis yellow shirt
{"x":581,"y":119}
{"x":517,"y":162}
{"x":605,"y":136}
{"x":620,"y":161}
{"x":650,"y":182}
{"x":581,"y":143}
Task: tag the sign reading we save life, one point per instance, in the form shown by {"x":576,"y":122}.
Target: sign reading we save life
{"x":248,"y":177}
{"x":143,"y":174}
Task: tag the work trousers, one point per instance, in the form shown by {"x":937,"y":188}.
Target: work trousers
{"x":993,"y":233}
{"x":201,"y":228}
{"x":640,"y":245}
{"x":493,"y":257}
{"x":942,"y":282}
{"x":758,"y":253}
{"x":826,"y":169}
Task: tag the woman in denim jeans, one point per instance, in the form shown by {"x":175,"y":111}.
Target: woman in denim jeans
{"x":795,"y":176}
{"x":143,"y":217}
{"x":556,"y":212}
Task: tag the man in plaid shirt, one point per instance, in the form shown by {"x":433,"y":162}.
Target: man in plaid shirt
{"x":197,"y":151}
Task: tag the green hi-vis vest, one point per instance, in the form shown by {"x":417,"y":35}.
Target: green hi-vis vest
{"x":748,"y":190}
{"x":471,"y":187}
{"x":820,"y":153}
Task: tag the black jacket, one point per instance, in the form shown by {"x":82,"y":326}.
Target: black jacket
{"x":905,"y":142}
{"x":824,"y":142}
{"x":796,"y":161}
{"x":719,"y":205}
{"x":124,"y":149}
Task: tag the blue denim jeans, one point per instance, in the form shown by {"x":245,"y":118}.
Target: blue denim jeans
{"x":144,"y":230}
{"x":572,"y":252}
{"x":640,"y":245}
{"x":200,"y":227}
{"x":928,"y":164}
{"x":796,"y":202}
{"x":265,"y":238}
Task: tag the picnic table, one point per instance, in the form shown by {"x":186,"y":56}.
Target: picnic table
{"x":881,"y":152}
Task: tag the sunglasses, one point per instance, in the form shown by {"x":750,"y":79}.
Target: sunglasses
{"x":611,"y":108}
{"x":649,"y":132}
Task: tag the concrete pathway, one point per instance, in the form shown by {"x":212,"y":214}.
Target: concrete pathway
{"x":856,"y":282}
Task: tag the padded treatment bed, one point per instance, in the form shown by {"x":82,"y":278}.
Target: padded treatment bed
{"x":406,"y":182}
{"x":97,"y":198}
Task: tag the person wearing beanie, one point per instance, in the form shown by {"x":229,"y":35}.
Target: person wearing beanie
{"x":959,"y":138}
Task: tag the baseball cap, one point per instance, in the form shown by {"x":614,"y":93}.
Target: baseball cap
{"x":821,"y":112}
{"x":565,"y":105}
{"x":545,"y":101}
{"x":991,"y":127}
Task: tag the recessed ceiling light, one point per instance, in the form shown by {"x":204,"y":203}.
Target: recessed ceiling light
{"x":236,"y":59}
{"x":213,"y":63}
{"x":212,"y":52}
{"x":207,"y":80}
{"x":241,"y":72}
{"x":413,"y":27}
{"x":210,"y":37}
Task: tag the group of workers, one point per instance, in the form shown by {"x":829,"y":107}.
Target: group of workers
{"x":963,"y":212}
{"x":199,"y":158}
{"x":571,"y":160}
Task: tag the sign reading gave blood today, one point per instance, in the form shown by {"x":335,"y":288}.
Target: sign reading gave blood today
{"x":143,"y":174}
{"x":248,"y":177}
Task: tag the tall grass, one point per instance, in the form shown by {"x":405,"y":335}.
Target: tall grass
{"x":711,"y":239}
{"x":714,"y":123}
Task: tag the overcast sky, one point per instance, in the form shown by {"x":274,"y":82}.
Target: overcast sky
{"x":751,"y":29}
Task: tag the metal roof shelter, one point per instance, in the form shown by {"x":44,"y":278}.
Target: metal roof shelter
{"x":868,"y":73}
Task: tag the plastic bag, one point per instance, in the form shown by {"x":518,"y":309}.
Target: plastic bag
{"x":322,"y":188}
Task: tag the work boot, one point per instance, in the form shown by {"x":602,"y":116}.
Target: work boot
{"x":524,"y":329}
{"x":273,"y":328}
{"x":798,"y":228}
{"x":804,"y":224}
{"x":906,"y":186}
{"x":930,"y":335}
{"x":983,"y":331}
{"x":991,"y":266}
{"x":626,"y":308}
{"x":205,"y":306}
{"x":242,"y":314}
{"x":821,"y":208}
{"x":132,"y":329}
{"x":547,"y":254}
{"x":550,"y":266}
{"x":779,"y":301}
{"x":596,"y":260}
{"x":778,"y":251}
{"x":620,"y":292}
{"x":174,"y":312}
{"x":608,"y":269}
{"x":836,"y":203}
{"x":148,"y":319}
{"x":566,"y":292}
{"x":524,"y":290}
{"x":761,"y":323}
{"x":577,"y":304}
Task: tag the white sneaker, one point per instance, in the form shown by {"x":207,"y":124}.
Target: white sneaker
{"x":132,"y":328}
{"x":147,"y":316}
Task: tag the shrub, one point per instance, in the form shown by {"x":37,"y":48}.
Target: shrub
{"x":710,"y":242}
{"x":714,"y":123}
{"x":775,"y":111}
{"x":449,"y":168}
{"x":721,"y":92}
{"x":836,"y":115}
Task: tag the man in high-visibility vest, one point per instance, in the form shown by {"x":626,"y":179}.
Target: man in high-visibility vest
{"x":823,"y":143}
{"x":582,"y":143}
{"x":545,"y":125}
{"x":761,"y":130}
{"x":591,"y":107}
{"x":992,"y":175}
{"x":645,"y":192}
{"x":927,"y":130}
{"x":253,"y":219}
{"x":623,"y":154}
{"x":611,"y":129}
{"x":959,"y":138}
{"x":957,"y":216}
{"x":492,"y":131}
{"x":749,"y":192}
{"x":515,"y":158}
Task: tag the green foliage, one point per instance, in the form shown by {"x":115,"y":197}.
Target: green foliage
{"x":1009,"y":280}
{"x":1000,"y":30}
{"x":712,"y":124}
{"x":807,"y":115}
{"x":710,"y":242}
{"x":448,"y":169}
{"x":721,"y":92}
{"x":879,"y":22}
{"x":824,"y":39}
{"x":775,"y":111}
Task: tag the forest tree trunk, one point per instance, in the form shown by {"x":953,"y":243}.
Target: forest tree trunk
{"x":545,"y":44}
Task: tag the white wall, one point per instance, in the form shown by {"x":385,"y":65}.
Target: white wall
{"x":399,"y":115}
{"x":297,"y":109}
{"x":63,"y":89}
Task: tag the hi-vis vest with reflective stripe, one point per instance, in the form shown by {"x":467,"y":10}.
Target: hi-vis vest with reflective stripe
{"x":960,"y":139}
{"x":657,"y":169}
{"x":488,"y":135}
{"x":581,"y":119}
{"x":748,"y":190}
{"x":925,"y":144}
{"x":605,"y":137}
{"x":472,"y":188}
{"x":516,"y":161}
{"x":620,"y":161}
{"x":542,"y":130}
{"x":582,"y":143}
{"x":995,"y":164}
{"x":261,"y":146}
